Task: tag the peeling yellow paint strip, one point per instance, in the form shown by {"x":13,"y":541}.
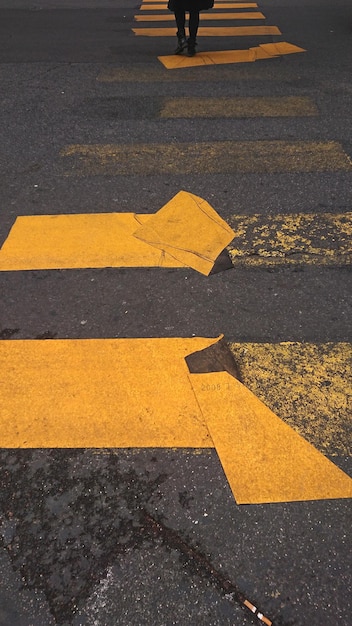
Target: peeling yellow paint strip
{"x":230,"y":31}
{"x":239,"y":107}
{"x":205,"y":158}
{"x":188,"y":229}
{"x":308,"y":385}
{"x":139,"y":393}
{"x":184,"y":232}
{"x":263,"y":458}
{"x":162,"y":6}
{"x":324,"y":239}
{"x":221,"y":57}
{"x":207,"y":16}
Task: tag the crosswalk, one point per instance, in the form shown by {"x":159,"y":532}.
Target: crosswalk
{"x":111,"y":405}
{"x":211,"y":157}
{"x":151,"y":13}
{"x":260,"y":240}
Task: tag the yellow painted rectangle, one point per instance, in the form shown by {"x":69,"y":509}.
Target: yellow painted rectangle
{"x":239,"y":107}
{"x":75,"y":241}
{"x":212,"y":31}
{"x":206,"y":16}
{"x":97,"y":393}
{"x":205,"y":158}
{"x":313,"y":239}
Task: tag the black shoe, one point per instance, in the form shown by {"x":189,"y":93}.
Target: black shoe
{"x":181,"y":45}
{"x":191,"y":48}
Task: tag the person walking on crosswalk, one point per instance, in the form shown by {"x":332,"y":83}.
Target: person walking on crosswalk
{"x":193,"y":7}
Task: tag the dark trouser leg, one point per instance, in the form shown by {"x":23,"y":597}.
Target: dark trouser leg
{"x":193,"y":25}
{"x":180,"y":17}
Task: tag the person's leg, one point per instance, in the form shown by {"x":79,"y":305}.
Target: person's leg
{"x":180,"y":17}
{"x":193,"y":30}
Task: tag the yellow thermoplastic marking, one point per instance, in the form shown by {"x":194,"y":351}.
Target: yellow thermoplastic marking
{"x":99,"y":393}
{"x":114,"y":239}
{"x":228,"y":31}
{"x":239,"y":107}
{"x":126,"y":393}
{"x":76,"y":241}
{"x":206,"y":16}
{"x":263,"y":458}
{"x":188,"y":229}
{"x":222,"y":57}
{"x":205,"y":158}
{"x":314,"y":239}
{"x":185,"y":232}
{"x":162,"y":6}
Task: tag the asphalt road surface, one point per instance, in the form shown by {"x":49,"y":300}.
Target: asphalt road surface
{"x":92,"y":122}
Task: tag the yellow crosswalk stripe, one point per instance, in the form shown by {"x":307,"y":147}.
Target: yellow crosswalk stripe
{"x":263,"y":51}
{"x":156,"y":74}
{"x":186,"y":231}
{"x":272,"y":106}
{"x":146,"y":6}
{"x":139,"y":393}
{"x":206,"y":16}
{"x":212,"y":31}
{"x":205,"y":158}
{"x":109,"y":240}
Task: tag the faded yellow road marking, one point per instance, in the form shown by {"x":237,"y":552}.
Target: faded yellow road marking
{"x":239,"y":107}
{"x":230,"y":31}
{"x":205,"y":16}
{"x":324,"y":239}
{"x":184,"y":232}
{"x":139,"y":393}
{"x":263,"y":51}
{"x":308,"y":385}
{"x":205,"y":158}
{"x":155,"y":73}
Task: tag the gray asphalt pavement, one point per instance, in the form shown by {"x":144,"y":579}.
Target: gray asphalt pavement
{"x":76,"y":546}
